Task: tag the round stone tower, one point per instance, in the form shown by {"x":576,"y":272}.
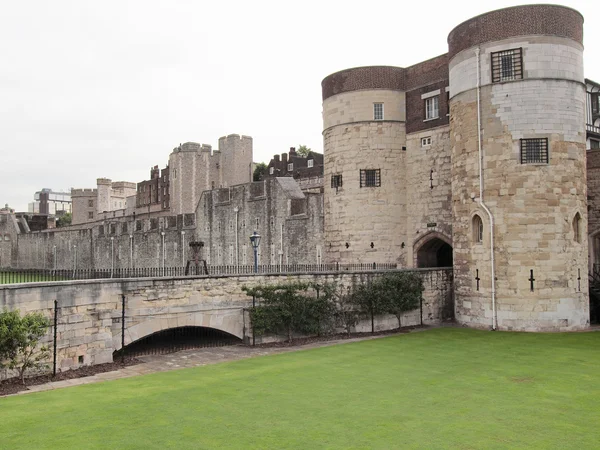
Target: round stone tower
{"x":364,"y":142}
{"x":517,"y":109}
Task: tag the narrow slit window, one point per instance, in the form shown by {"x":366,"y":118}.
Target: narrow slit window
{"x":477,"y":229}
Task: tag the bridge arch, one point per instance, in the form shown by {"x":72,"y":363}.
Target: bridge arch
{"x":230,"y":322}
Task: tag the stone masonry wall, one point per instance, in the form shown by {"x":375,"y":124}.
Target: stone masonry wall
{"x":429,"y":193}
{"x":89,"y":317}
{"x":533,"y":205}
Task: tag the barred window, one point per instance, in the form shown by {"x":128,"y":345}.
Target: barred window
{"x":534,"y":151}
{"x":507,"y":65}
{"x":336,"y":181}
{"x":377,"y":111}
{"x":370,"y":178}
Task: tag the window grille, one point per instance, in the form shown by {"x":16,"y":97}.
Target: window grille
{"x":507,"y":65}
{"x":336,"y":181}
{"x":432,"y":107}
{"x":370,"y":178}
{"x":377,"y":111}
{"x":310,"y":163}
{"x":426,"y":141}
{"x":534,"y":151}
{"x":290,"y":167}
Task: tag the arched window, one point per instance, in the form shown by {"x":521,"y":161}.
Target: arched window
{"x":577,"y":228}
{"x":477,"y":229}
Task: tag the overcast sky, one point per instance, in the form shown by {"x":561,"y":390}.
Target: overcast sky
{"x":108,"y":88}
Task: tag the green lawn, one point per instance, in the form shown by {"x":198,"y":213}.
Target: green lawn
{"x":441,"y":388}
{"x":27,"y":277}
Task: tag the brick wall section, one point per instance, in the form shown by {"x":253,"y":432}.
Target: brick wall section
{"x":550,"y":20}
{"x":89,"y":320}
{"x":593,"y":184}
{"x":359,"y":78}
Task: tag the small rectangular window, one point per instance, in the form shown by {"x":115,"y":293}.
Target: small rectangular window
{"x":370,"y":178}
{"x":534,"y":151}
{"x":271,"y":170}
{"x":594,"y":144}
{"x":310,"y":163}
{"x":90,"y":215}
{"x":290,"y":167}
{"x":432,"y":108}
{"x":426,"y":141}
{"x":336,"y":181}
{"x":91,"y":203}
{"x":377,"y":111}
{"x":507,"y":65}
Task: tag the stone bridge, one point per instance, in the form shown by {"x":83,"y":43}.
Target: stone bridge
{"x":90,"y":311}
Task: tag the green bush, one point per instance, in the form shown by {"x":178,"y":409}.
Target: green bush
{"x":19,"y":340}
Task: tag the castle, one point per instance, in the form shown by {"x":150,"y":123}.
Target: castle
{"x":474,"y":159}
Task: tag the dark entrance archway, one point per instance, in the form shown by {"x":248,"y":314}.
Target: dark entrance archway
{"x":434,"y":251}
{"x":177,"y":339}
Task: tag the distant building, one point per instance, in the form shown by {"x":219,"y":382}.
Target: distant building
{"x":50,"y":202}
{"x":92,"y":204}
{"x":306,"y":170}
{"x":154,"y":193}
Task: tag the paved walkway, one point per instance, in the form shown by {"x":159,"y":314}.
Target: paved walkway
{"x":186,"y":359}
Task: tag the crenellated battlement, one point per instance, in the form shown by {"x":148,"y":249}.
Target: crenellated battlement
{"x":83,"y":192}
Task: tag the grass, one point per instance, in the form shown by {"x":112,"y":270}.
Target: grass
{"x":27,"y":277}
{"x":441,"y":388}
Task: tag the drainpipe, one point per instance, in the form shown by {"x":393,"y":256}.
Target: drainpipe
{"x":481,"y":203}
{"x":236,"y":210}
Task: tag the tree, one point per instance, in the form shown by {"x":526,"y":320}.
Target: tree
{"x":260,"y":170}
{"x":370,"y":299}
{"x":291,"y":308}
{"x":64,"y":220}
{"x":402,"y":292}
{"x":19,"y":340}
{"x":346,"y":313}
{"x":303,"y":150}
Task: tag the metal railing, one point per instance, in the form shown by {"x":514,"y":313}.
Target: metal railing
{"x":12,"y":276}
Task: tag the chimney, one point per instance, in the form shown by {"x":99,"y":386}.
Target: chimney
{"x":292,"y":151}
{"x":276,"y":158}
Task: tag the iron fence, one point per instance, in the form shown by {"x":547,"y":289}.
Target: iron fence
{"x":13,"y":276}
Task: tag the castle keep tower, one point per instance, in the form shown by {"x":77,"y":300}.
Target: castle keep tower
{"x":364,"y":142}
{"x":517,"y":105}
{"x":194,"y":168}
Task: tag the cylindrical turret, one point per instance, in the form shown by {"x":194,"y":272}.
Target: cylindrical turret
{"x":364,"y":142}
{"x":517,"y":104}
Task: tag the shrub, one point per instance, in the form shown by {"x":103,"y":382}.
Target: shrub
{"x":19,"y":340}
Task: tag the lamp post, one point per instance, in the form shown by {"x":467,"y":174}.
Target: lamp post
{"x":255,"y":241}
{"x":112,"y":256}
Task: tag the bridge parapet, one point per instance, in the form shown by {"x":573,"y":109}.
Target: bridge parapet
{"x":90,"y":311}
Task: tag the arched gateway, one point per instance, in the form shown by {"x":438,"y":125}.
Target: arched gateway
{"x":433,"y":250}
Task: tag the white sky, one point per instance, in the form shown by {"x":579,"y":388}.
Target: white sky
{"x":108,"y":88}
